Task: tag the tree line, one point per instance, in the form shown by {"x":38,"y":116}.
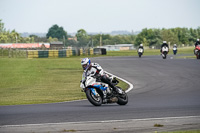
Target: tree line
{"x":148,"y":37}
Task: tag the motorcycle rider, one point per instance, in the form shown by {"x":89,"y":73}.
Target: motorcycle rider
{"x":94,"y":69}
{"x":197,"y":43}
{"x":175,"y":49}
{"x":175,"y":46}
{"x":164,"y":44}
{"x":141,"y":46}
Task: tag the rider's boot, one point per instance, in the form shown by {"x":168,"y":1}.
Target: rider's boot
{"x":106,"y":80}
{"x":118,"y":90}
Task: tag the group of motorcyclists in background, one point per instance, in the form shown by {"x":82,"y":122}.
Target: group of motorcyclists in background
{"x":165,"y":49}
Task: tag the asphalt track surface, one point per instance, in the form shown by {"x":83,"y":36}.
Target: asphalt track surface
{"x":162,"y":88}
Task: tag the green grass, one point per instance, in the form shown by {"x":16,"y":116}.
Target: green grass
{"x":192,"y":131}
{"x":33,"y":81}
{"x":30,"y":81}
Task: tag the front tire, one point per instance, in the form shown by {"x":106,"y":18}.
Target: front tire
{"x":95,"y":100}
{"x":174,"y":52}
{"x":165,"y":56}
{"x":198,"y":55}
{"x":140,"y":55}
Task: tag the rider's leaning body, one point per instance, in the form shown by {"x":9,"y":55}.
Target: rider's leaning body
{"x":94,"y":69}
{"x":197,"y":43}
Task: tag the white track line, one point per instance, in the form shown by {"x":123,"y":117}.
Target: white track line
{"x":130,"y":85}
{"x":106,"y":121}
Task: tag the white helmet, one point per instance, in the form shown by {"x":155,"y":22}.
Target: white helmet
{"x":85,"y":63}
{"x":174,"y":44}
{"x":141,"y":45}
{"x":164,"y":41}
{"x":197,"y":39}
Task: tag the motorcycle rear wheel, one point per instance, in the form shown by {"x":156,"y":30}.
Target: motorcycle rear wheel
{"x":123,"y":99}
{"x":95,"y":100}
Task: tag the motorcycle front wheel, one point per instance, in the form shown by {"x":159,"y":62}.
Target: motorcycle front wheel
{"x":164,"y":56}
{"x":95,"y":100}
{"x":198,"y":55}
{"x":140,"y":55}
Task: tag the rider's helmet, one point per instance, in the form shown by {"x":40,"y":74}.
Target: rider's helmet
{"x":174,"y":44}
{"x":164,"y":41}
{"x":85,"y":63}
{"x":141,"y":45}
{"x":197,"y":40}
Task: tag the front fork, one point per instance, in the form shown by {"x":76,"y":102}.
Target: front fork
{"x":94,"y":92}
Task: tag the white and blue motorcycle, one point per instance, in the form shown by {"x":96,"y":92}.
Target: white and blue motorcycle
{"x":174,"y":50}
{"x":140,"y":52}
{"x":165,"y":51}
{"x":99,"y":93}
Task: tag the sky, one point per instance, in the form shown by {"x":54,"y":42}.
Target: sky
{"x":100,"y":16}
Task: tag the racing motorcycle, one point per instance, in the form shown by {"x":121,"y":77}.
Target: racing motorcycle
{"x":174,"y":50}
{"x":197,"y":51}
{"x":165,"y":51}
{"x":99,"y":93}
{"x":140,"y":52}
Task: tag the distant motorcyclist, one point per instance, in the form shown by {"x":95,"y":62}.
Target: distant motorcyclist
{"x":140,"y":50}
{"x":94,"y":69}
{"x":141,"y":46}
{"x":197,"y":43}
{"x":175,"y":49}
{"x":175,"y":46}
{"x":164,"y":44}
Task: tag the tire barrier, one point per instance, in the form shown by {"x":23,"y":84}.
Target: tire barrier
{"x":48,"y":53}
{"x":43,"y":54}
{"x":99,"y":51}
{"x":32,"y":53}
{"x":58,"y":53}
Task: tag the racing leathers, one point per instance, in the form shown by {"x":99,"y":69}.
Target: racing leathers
{"x":164,"y":44}
{"x":197,"y":43}
{"x":141,"y":48}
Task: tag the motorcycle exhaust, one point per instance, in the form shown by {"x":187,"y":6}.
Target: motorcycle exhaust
{"x":113,"y":100}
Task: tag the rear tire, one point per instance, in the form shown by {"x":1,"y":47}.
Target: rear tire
{"x":96,"y":101}
{"x":123,"y":99}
